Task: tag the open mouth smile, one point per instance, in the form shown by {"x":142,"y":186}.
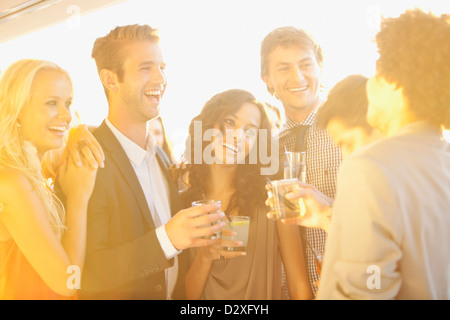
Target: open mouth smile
{"x":59,"y":130}
{"x":153,"y":94}
{"x":231,"y":147}
{"x":298,"y":89}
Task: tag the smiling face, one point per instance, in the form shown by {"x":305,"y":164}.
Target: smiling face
{"x":46,"y":116}
{"x":293,"y":74}
{"x":348,"y":138}
{"x":239,"y":134}
{"x":144,"y":81}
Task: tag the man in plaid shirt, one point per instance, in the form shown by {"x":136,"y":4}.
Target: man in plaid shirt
{"x":291,"y":65}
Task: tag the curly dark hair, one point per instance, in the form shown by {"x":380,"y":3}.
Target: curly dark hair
{"x":250,"y":193}
{"x":415,"y":55}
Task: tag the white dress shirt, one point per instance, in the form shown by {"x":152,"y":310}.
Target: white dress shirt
{"x":156,"y":191}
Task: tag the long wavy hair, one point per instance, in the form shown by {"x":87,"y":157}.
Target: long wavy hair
{"x":249,"y":184}
{"x":15,"y":152}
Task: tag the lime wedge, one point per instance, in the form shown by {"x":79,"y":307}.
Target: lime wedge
{"x":239,"y":223}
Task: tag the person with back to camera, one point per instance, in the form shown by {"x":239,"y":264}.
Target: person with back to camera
{"x":393,"y":194}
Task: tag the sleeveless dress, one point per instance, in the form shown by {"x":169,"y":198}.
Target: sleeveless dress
{"x":18,"y":279}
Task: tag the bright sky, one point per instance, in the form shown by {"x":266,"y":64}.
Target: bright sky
{"x":211,"y":46}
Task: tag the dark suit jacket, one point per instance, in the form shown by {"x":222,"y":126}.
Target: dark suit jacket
{"x":124,"y":259}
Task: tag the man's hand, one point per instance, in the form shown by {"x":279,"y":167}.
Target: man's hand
{"x":187,"y":227}
{"x":318,"y":207}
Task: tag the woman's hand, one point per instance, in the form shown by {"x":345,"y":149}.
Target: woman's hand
{"x":216,"y":251}
{"x":81,"y":143}
{"x":77,"y":182}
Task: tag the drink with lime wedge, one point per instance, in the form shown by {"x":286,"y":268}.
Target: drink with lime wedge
{"x":240,"y":225}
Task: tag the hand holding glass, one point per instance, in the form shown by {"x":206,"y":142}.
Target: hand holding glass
{"x":240,"y":225}
{"x":203,"y":202}
{"x":281,"y":207}
{"x":295,"y":168}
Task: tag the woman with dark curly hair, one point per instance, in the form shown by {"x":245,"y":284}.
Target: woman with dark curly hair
{"x":229,"y":172}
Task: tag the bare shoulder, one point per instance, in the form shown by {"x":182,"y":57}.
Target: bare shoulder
{"x":12,"y":183}
{"x":13,"y":186}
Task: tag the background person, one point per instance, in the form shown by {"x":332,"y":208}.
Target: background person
{"x":274,"y":115}
{"x":156,"y":127}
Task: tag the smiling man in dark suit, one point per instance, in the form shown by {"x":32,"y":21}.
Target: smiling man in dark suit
{"x":133,"y":240}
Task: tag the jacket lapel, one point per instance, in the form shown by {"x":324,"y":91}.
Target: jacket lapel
{"x":112,"y":146}
{"x":164,"y":164}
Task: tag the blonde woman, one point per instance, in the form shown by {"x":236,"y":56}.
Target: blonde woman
{"x":42,"y":244}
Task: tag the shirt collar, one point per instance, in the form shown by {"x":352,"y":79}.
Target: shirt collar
{"x":308,"y":121}
{"x":416,"y":126}
{"x":134,"y":152}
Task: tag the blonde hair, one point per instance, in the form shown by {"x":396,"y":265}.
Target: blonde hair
{"x":15,"y":152}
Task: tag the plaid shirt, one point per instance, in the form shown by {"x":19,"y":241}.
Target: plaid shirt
{"x":323,"y":158}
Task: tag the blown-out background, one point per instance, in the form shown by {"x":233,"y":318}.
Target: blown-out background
{"x":209,"y":46}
